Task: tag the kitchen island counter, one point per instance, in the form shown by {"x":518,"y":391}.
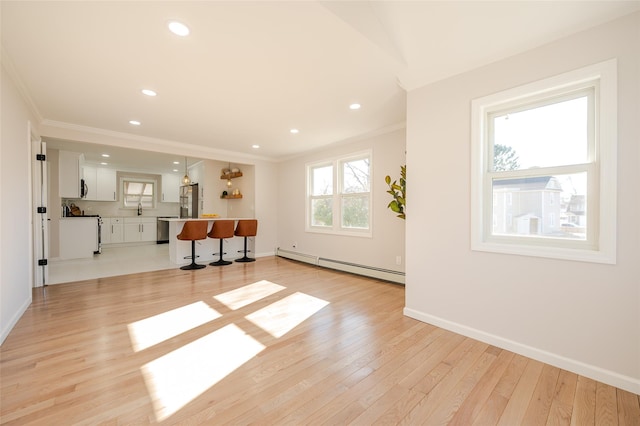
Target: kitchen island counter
{"x":180,"y":251}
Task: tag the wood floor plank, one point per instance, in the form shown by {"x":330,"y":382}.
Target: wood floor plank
{"x":471,"y":406}
{"x":445,"y":411}
{"x":606,"y":405}
{"x":584,"y":403}
{"x":562,"y":405}
{"x":538,"y":410}
{"x":72,"y":359}
{"x":628,"y":408}
{"x":464,"y":360}
{"x":514,"y":412}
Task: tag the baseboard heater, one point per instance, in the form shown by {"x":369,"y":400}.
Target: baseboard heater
{"x":354,"y":268}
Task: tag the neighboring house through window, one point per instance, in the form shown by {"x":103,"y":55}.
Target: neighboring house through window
{"x":544,"y":167}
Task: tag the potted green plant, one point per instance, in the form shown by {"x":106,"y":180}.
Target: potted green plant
{"x":398,"y":191}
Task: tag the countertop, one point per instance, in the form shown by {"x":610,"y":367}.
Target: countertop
{"x":203,"y":218}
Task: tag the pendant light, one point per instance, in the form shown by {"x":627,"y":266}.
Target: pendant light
{"x":186,"y":180}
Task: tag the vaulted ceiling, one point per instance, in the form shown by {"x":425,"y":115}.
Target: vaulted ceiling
{"x":248,"y":72}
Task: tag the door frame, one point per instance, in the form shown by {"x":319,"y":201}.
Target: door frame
{"x":40,"y":221}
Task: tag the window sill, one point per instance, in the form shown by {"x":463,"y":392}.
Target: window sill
{"x":559,"y":253}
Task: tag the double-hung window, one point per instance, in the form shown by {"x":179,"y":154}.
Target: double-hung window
{"x":339,"y":195}
{"x":544,"y":167}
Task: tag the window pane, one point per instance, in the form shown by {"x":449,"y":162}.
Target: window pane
{"x":136,"y":192}
{"x":322,"y":180}
{"x":133,"y":187}
{"x":321,"y":212}
{"x":355,"y":176}
{"x":547,"y":206}
{"x":544,"y":136}
{"x":355,"y":212}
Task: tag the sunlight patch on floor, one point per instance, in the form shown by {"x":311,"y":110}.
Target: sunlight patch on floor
{"x":158,"y":328}
{"x":282,"y":316}
{"x":246,"y":295}
{"x":178,"y":377}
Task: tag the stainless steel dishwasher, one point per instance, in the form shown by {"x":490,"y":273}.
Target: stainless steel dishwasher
{"x":163,"y":229}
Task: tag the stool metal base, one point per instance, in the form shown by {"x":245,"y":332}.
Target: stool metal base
{"x":192,"y":266}
{"x":220,"y":263}
{"x":245,"y":258}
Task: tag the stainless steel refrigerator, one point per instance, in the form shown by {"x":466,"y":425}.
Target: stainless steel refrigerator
{"x":189,"y":201}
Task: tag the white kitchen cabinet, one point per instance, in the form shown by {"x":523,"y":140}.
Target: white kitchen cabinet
{"x":101,"y":183}
{"x":90,"y":179}
{"x":140,"y":229}
{"x":78,"y":237}
{"x":107,"y":186}
{"x":112,"y":230}
{"x":171,"y":188}
{"x":105,"y":231}
{"x":69,"y":174}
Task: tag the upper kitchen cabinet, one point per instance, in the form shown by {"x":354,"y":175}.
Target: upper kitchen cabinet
{"x":100,"y":183}
{"x":170,"y":188}
{"x":69,"y":174}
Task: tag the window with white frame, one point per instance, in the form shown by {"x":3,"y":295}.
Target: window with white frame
{"x":138,"y":192}
{"x":339,"y":195}
{"x":544,"y":167}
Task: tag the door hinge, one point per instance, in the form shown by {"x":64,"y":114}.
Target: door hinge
{"x":42,"y":209}
{"x":42,"y":262}
{"x":41,"y":157}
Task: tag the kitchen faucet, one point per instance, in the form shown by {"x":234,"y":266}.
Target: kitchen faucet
{"x":139,"y":209}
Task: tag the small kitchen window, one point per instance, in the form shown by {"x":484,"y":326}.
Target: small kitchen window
{"x":138,"y":192}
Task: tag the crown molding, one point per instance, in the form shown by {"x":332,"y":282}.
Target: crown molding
{"x":63,"y":130}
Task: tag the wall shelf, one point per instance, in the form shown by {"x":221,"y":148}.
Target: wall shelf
{"x":232,"y":175}
{"x":230,"y":197}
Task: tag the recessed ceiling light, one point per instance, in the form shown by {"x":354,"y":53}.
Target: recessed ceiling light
{"x":176,"y":162}
{"x":104,"y":164}
{"x":105,"y":155}
{"x":178,"y":28}
{"x":175,"y":170}
{"x":149,"y":92}
{"x":255,"y":146}
{"x":294,"y":131}
{"x":354,"y":106}
{"x":134,"y":122}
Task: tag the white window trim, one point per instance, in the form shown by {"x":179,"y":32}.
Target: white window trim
{"x":604,"y":209}
{"x":337,"y":196}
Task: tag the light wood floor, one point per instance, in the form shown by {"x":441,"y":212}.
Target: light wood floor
{"x":309,"y":346}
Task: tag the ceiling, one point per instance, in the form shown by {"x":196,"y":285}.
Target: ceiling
{"x":251,"y":71}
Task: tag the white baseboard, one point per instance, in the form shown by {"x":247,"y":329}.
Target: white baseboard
{"x":6,"y":329}
{"x":596,"y":373}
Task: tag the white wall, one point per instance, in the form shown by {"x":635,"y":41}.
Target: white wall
{"x":15,"y":206}
{"x":267,"y":208}
{"x":388,"y":231}
{"x":580,"y":316}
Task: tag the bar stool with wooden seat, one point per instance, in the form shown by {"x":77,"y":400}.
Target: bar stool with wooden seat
{"x":191,"y":231}
{"x":246,"y":228}
{"x":221,"y":229}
